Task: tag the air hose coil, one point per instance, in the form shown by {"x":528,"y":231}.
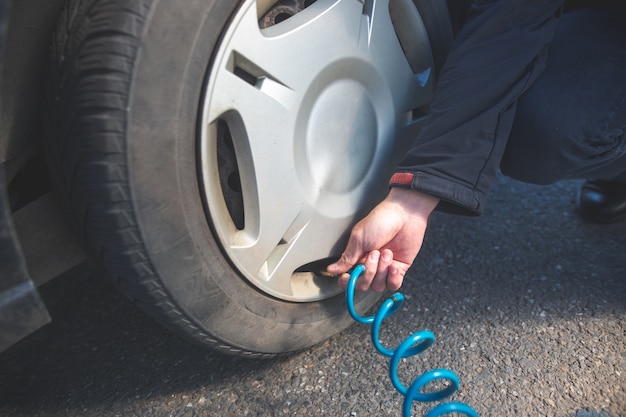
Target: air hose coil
{"x":411,"y":346}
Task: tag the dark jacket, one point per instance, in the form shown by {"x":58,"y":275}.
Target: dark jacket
{"x":498,"y":53}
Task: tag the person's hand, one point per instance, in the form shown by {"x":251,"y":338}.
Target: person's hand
{"x":387,"y":240}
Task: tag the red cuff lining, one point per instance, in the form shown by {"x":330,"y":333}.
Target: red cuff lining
{"x":401,"y":178}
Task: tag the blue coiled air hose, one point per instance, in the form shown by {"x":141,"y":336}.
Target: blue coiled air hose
{"x":412,"y":345}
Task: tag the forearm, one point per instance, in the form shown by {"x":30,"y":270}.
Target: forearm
{"x":498,"y":53}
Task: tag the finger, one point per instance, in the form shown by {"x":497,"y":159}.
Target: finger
{"x":343,"y":280}
{"x":395,"y":277}
{"x":371,"y":266}
{"x":379,"y":284}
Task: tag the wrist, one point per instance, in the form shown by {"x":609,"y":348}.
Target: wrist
{"x":414,"y":203}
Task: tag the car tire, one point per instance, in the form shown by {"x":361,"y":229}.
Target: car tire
{"x":126,"y":119}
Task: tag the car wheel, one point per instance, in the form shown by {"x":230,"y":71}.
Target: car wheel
{"x":214,"y":154}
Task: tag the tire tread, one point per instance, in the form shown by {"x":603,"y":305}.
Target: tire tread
{"x":90,"y":71}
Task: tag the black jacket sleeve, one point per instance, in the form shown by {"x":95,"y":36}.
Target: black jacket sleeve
{"x":498,"y":53}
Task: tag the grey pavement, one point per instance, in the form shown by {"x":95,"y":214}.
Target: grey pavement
{"x":527,"y":301}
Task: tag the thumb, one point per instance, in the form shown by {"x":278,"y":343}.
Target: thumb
{"x":349,"y":258}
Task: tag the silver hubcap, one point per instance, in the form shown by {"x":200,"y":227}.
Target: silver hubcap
{"x":303,"y":121}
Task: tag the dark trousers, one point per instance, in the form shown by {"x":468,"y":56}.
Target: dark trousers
{"x":571,"y":123}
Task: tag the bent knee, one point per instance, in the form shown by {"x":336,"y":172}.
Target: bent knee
{"x":550,"y":156}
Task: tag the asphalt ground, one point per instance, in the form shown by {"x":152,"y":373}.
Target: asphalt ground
{"x":527,"y":301}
